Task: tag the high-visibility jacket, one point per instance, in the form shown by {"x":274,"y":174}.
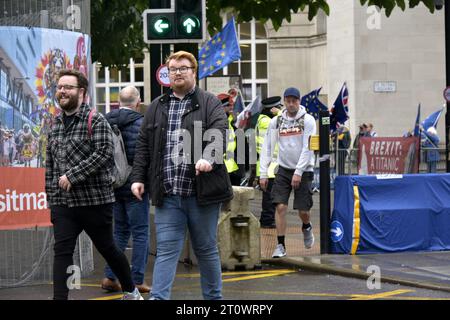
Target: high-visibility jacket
{"x":230,"y":163}
{"x":261,"y":128}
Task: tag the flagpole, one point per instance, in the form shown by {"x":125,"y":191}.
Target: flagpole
{"x":447,"y":69}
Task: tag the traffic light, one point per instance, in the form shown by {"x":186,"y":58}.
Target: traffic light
{"x":183,"y":23}
{"x":189,"y":18}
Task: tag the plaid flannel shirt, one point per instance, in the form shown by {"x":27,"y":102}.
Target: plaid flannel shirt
{"x":176,"y":179}
{"x":85,"y":160}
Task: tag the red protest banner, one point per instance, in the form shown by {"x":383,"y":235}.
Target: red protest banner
{"x":23,"y":201}
{"x":388,"y":155}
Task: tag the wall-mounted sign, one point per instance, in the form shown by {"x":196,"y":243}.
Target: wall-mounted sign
{"x":384,"y":86}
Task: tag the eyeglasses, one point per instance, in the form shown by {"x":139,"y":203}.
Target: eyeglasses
{"x":66,"y":87}
{"x":173,"y":70}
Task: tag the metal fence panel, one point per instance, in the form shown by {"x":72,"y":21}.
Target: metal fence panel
{"x":27,"y":256}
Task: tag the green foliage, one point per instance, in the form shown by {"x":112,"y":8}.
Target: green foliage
{"x":389,"y":5}
{"x":117,"y":30}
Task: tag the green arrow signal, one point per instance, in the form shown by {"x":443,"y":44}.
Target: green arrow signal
{"x":160,"y":25}
{"x":189,"y":24}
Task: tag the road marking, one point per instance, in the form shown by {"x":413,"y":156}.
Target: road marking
{"x":91,"y":285}
{"x":418,"y":298}
{"x":252,"y":275}
{"x":233,"y":273}
{"x":258,"y":276}
{"x":327,"y":295}
{"x":382,"y":295}
{"x":114,"y":297}
{"x":279,"y":293}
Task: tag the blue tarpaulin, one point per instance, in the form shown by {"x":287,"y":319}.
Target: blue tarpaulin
{"x":375,"y":214}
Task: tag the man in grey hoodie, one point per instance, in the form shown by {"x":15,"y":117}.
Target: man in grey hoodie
{"x":291,"y":131}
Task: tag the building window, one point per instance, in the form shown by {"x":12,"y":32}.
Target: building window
{"x":109,"y":82}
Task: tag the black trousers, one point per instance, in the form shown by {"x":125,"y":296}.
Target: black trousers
{"x":97,"y":221}
{"x":268,"y":208}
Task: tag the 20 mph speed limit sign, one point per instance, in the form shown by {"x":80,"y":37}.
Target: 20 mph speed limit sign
{"x":162,"y":76}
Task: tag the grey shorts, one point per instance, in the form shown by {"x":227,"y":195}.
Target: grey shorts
{"x":282,"y":188}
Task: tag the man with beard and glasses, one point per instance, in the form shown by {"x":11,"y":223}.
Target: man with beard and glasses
{"x":78,"y":182}
{"x":187,"y":195}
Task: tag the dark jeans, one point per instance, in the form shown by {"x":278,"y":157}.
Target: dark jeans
{"x":268,"y":208}
{"x":68,"y":223}
{"x":131,"y":218}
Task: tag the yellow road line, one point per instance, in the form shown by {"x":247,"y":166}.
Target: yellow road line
{"x":253,"y":275}
{"x":257,"y":276}
{"x":114,"y":297}
{"x":382,"y":295}
{"x":327,"y":295}
{"x":233,"y":273}
{"x":418,"y":298}
{"x":98,"y":285}
{"x":389,"y":295}
{"x":278,"y":293}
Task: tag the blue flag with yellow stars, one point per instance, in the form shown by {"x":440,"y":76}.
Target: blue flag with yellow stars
{"x":312,"y":103}
{"x":220,"y":51}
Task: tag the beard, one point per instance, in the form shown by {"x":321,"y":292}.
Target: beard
{"x":70,"y":105}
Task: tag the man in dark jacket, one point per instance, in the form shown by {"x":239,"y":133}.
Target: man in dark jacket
{"x":187,"y":186}
{"x":130,"y":214}
{"x":78,"y":183}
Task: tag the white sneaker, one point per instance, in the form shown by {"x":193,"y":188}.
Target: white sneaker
{"x":308,"y":238}
{"x":135,"y":295}
{"x":279,"y":251}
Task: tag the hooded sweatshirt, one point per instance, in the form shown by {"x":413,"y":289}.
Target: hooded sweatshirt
{"x":292,"y":136}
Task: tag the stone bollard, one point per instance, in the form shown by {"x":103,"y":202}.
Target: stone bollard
{"x":238,"y":232}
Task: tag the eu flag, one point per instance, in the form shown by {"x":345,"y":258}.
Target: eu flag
{"x":312,"y":103}
{"x":220,"y":51}
{"x":339,"y":112}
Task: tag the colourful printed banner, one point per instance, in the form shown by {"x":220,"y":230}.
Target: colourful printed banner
{"x":30,"y":59}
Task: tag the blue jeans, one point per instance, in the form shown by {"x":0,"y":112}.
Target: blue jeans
{"x":131,"y":218}
{"x":432,"y":165}
{"x":171,"y":220}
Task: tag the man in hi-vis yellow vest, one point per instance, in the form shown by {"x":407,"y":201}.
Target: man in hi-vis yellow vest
{"x":270,"y":107}
{"x":230,"y":156}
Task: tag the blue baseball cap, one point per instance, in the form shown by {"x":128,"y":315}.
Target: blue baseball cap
{"x":293,"y":92}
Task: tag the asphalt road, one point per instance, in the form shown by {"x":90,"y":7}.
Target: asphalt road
{"x":269,"y":283}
